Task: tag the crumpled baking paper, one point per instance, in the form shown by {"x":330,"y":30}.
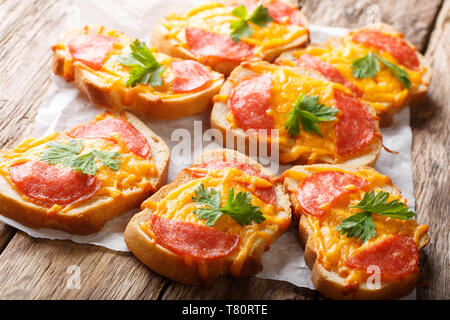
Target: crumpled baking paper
{"x":63,"y":107}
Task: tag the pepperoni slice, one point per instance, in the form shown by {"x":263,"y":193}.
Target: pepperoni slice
{"x":51,"y":184}
{"x":208,"y":44}
{"x":397,"y":47}
{"x":91,"y":49}
{"x":327,"y":70}
{"x":192,"y":239}
{"x":355,"y":128}
{"x":267,"y":195}
{"x":249,"y":102}
{"x":133,"y":139}
{"x":278,"y":11}
{"x":396,"y":256}
{"x":325,"y":187}
{"x":189,"y":76}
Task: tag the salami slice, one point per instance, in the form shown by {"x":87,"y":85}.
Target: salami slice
{"x":249,"y":102}
{"x":267,"y":195}
{"x":325,"y":187}
{"x":91,"y":49}
{"x":397,"y":47}
{"x":396,"y":256}
{"x":191,"y":239}
{"x":189,"y":76}
{"x":51,"y":184}
{"x":208,"y":44}
{"x":355,"y":128}
{"x":327,"y":70}
{"x":282,"y":12}
{"x":134,"y":140}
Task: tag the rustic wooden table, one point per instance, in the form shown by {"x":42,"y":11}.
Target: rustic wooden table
{"x":37,"y":269}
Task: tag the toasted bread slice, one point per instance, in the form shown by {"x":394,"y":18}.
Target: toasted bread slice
{"x":244,"y":260}
{"x":118,"y":191}
{"x":286,"y":86}
{"x":105,"y":82}
{"x":386,"y":94}
{"x":327,"y":250}
{"x":169,"y":34}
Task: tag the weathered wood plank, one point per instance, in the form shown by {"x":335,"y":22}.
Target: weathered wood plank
{"x":241,"y":289}
{"x":45,"y":269}
{"x":26,"y":30}
{"x":412,"y":17}
{"x":430,"y":154}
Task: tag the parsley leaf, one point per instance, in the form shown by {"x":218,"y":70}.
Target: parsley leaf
{"x":361,"y":224}
{"x":61,"y":152}
{"x":239,"y":208}
{"x":369,"y":65}
{"x":399,"y":73}
{"x":107,"y":158}
{"x":241,"y":28}
{"x":307,"y":111}
{"x":68,"y":156}
{"x":260,"y":16}
{"x":85,"y":164}
{"x":145,"y":69}
{"x":365,"y":67}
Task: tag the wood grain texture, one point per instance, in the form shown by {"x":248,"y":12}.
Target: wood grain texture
{"x":42,"y":269}
{"x":430,"y":155}
{"x":412,"y":17}
{"x":26,"y":30}
{"x":37,"y":269}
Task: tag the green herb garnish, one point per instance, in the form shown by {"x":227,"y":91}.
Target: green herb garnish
{"x":241,"y":28}
{"x":145,"y":69}
{"x":68,"y":156}
{"x":369,"y":65}
{"x":239,"y":208}
{"x":361,"y":224}
{"x":307,"y":111}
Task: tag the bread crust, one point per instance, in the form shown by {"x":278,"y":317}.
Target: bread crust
{"x":330,"y":283}
{"x":101,"y":93}
{"x":416,"y":96}
{"x":220,"y":110}
{"x":173,"y":266}
{"x":91,"y":215}
{"x":161,"y":41}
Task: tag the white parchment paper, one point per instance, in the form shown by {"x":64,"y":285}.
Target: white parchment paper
{"x":64,"y":107}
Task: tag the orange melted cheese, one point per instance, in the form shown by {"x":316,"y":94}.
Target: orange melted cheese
{"x":216,"y":17}
{"x":333,"y":248}
{"x":287,"y":85}
{"x":114,"y":75}
{"x":380,"y":90}
{"x":178,"y":204}
{"x":134,"y":172}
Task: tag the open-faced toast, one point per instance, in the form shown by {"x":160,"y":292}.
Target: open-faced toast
{"x":182,"y":234}
{"x":204,"y":33}
{"x":386,"y":90}
{"x":117,"y":73}
{"x":79,"y":179}
{"x":259,"y":97}
{"x":366,"y":252}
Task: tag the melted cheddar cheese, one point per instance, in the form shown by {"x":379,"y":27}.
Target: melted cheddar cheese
{"x":384,"y":88}
{"x":114,"y":75}
{"x":134,"y":172}
{"x":287,"y":85}
{"x":333,"y":248}
{"x":216,"y":18}
{"x":178,"y":204}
